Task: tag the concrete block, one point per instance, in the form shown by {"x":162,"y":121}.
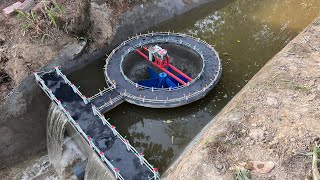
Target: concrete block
{"x":27,"y":5}
{"x":10,"y":10}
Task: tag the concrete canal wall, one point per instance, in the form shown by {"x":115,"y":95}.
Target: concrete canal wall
{"x":275,"y":116}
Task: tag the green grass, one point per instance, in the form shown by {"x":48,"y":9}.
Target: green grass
{"x":315,"y":162}
{"x":301,"y":88}
{"x":29,"y":20}
{"x":52,"y":12}
{"x":39,"y":25}
{"x":242,"y":174}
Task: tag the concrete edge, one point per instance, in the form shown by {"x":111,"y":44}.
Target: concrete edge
{"x":221,"y":123}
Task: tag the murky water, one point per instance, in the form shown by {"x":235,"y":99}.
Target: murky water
{"x":246,"y":33}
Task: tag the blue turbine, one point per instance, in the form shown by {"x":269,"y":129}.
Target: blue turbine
{"x":161,"y":80}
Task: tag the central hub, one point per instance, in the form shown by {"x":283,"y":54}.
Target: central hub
{"x":163,"y":75}
{"x":162,"y":60}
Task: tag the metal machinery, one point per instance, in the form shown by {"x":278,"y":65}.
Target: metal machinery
{"x":159,"y":57}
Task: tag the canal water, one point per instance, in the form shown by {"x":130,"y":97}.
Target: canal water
{"x":246,"y":33}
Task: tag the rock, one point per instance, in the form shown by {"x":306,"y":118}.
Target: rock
{"x":311,"y":97}
{"x":271,"y":101}
{"x":219,"y":166}
{"x":292,"y":140}
{"x":235,"y":117}
{"x":69,"y":52}
{"x":254,"y":125}
{"x":260,"y":167}
{"x":273,"y":142}
{"x":73,"y":49}
{"x":167,"y":121}
{"x":257,"y":134}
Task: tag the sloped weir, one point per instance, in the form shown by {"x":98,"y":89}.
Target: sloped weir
{"x":95,"y":169}
{"x":56,"y":125}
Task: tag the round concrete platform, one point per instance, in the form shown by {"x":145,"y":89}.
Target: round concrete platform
{"x":206,"y":79}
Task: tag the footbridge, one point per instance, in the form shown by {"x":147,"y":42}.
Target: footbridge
{"x":85,"y":115}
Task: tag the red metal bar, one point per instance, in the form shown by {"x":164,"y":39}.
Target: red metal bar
{"x":145,"y":48}
{"x":180,"y":72}
{"x":173,"y":76}
{"x":164,"y":70}
{"x":142,"y":54}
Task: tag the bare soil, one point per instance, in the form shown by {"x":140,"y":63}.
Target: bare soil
{"x":22,"y":53}
{"x":276,"y":117}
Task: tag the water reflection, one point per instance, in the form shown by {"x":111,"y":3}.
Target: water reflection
{"x":246,"y":33}
{"x":160,"y":134}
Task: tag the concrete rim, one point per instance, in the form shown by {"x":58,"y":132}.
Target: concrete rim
{"x":164,"y":98}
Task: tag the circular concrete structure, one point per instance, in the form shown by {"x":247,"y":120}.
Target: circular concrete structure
{"x":124,"y":68}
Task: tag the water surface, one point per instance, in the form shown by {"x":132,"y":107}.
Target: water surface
{"x":246,"y":33}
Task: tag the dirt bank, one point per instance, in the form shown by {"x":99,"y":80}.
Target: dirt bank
{"x":275,"y":117}
{"x":22,"y":51}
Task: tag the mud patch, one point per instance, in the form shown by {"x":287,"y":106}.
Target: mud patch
{"x":5,"y":83}
{"x":4,"y":77}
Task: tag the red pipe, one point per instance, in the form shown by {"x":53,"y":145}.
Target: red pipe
{"x":164,"y":70}
{"x":146,"y":49}
{"x":142,"y":54}
{"x":180,"y":72}
{"x":173,"y":76}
